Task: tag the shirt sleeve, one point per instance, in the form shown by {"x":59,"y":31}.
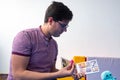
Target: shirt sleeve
{"x":22,"y":44}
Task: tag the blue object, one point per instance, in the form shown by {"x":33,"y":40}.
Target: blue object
{"x":107,"y":75}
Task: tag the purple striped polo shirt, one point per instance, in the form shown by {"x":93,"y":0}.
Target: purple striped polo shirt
{"x":33,"y":43}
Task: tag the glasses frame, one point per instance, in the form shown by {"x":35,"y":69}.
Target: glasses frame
{"x":63,"y":25}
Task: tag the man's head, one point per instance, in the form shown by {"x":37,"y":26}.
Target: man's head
{"x":57,"y":18}
{"x":58,"y":11}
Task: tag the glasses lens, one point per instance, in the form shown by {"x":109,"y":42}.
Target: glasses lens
{"x":63,"y":25}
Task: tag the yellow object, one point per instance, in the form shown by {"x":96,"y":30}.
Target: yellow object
{"x":66,"y":78}
{"x":76,"y":59}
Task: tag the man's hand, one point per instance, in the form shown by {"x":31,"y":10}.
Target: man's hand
{"x":77,"y":75}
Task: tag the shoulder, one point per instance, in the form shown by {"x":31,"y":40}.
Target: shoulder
{"x":27,"y":32}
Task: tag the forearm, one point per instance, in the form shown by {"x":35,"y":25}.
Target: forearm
{"x":30,"y":75}
{"x":19,"y":72}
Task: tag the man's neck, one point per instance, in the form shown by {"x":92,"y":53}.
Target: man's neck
{"x":44,"y":29}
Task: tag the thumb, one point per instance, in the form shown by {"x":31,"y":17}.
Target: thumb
{"x":70,"y":65}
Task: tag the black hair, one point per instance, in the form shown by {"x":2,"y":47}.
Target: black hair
{"x":58,"y":11}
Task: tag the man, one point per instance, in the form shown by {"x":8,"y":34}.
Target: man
{"x":34,"y":51}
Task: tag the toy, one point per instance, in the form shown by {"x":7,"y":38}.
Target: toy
{"x":107,"y":75}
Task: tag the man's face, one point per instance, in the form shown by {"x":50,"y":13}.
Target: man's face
{"x":59,"y":27}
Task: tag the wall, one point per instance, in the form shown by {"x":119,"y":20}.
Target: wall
{"x":94,"y":30}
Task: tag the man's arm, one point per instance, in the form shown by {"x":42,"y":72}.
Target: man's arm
{"x":19,"y":72}
{"x":54,"y":69}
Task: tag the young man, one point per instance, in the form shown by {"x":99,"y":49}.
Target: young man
{"x":34,"y":51}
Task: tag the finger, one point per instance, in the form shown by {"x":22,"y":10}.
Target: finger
{"x":75,"y":77}
{"x":79,"y":75}
{"x":83,"y":74}
{"x":70,"y":65}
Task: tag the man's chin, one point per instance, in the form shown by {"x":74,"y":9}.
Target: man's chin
{"x":56,"y":35}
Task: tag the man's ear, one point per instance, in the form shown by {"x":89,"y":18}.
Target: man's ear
{"x":50,"y":20}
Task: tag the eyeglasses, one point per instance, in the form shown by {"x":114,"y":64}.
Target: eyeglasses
{"x":63,"y":25}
